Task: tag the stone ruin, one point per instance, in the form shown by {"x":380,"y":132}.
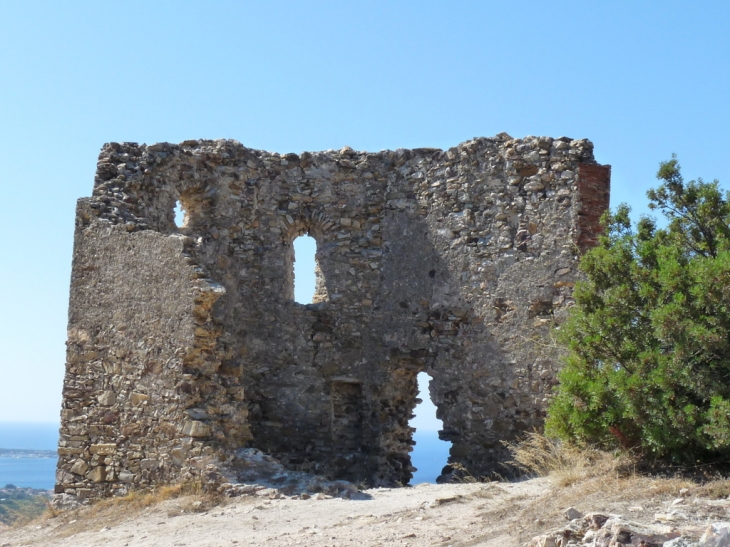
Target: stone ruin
{"x":185,"y":343}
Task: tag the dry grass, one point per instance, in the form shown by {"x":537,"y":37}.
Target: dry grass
{"x":591,"y":480}
{"x":567,"y":465}
{"x":139,"y":500}
{"x":585,"y":478}
{"x":564,"y":464}
{"x":577,"y":470}
{"x":107,"y":512}
{"x":717,"y":489}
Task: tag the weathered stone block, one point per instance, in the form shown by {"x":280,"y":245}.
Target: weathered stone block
{"x":126,"y":477}
{"x":137,"y":399}
{"x":103,"y":449}
{"x":107,"y":398}
{"x":149,"y":464}
{"x":80,"y":467}
{"x":97,"y":474}
{"x":194,"y":428}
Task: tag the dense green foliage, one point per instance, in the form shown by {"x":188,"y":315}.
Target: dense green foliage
{"x":648,"y":341}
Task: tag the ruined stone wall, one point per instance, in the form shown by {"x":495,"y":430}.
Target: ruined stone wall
{"x":185,"y":342}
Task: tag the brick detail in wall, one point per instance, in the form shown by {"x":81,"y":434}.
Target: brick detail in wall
{"x":594,"y":195}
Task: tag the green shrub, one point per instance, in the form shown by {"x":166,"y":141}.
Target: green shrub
{"x":648,"y":365}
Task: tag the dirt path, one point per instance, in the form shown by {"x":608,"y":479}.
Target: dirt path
{"x":456,"y":515}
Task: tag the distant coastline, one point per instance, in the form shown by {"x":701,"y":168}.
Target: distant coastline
{"x":25,"y":453}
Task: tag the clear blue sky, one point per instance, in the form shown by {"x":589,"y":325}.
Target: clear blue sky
{"x":640,"y":79}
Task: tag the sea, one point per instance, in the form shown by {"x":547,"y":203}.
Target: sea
{"x":429,"y":455}
{"x":34,"y":471}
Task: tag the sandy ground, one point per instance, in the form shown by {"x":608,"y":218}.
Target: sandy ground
{"x":427,"y":514}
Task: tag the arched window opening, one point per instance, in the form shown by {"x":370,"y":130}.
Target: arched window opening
{"x":305,"y":269}
{"x":430,"y":454}
{"x":179,"y":214}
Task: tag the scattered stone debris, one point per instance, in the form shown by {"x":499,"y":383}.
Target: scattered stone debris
{"x":605,"y":530}
{"x":262,"y":475}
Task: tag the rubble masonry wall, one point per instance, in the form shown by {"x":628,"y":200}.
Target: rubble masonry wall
{"x":185,"y":343}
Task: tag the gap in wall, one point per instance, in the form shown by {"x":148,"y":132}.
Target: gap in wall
{"x":430,"y":453}
{"x":179,"y":214}
{"x":305,"y":264}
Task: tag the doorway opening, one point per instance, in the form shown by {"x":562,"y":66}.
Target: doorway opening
{"x":305,"y":269}
{"x":430,"y":454}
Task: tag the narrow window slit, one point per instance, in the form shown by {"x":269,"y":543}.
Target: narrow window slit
{"x":430,"y":454}
{"x":179,"y":214}
{"x":305,"y":269}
